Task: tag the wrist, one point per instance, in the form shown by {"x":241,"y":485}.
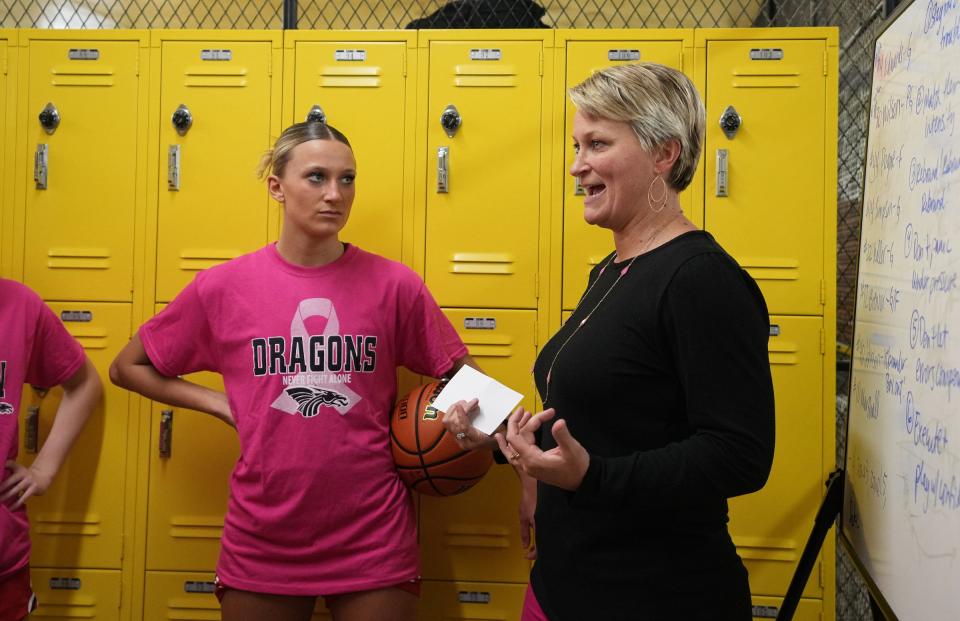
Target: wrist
{"x":40,"y":468}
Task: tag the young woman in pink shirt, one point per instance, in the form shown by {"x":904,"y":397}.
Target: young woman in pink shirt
{"x":35,"y":350}
{"x":308,"y":334}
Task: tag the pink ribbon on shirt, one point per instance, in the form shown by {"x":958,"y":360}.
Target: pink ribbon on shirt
{"x":315,"y":307}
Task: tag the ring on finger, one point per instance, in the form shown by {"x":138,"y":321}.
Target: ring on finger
{"x":461,"y":435}
{"x":515,"y":456}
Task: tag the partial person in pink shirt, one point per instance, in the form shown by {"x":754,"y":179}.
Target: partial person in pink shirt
{"x":308,"y":334}
{"x":35,"y":350}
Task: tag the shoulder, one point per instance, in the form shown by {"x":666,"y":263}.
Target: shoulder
{"x":382,"y":270}
{"x":256,"y":260}
{"x":706,"y":271}
{"x":13,"y":290}
{"x":237,"y":273}
{"x":695,"y":253}
{"x":18,"y":295}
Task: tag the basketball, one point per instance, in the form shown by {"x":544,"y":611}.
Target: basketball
{"x":428,"y":458}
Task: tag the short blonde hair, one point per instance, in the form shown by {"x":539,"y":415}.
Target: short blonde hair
{"x":274,"y":161}
{"x":658,"y":102}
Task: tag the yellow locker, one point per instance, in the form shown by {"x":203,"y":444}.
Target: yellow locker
{"x":191,"y":457}
{"x":79,"y":119}
{"x":8,"y":132}
{"x":586,"y":53}
{"x":471,"y":601}
{"x":766,"y":127}
{"x":79,"y":521}
{"x":770,"y":527}
{"x":476,"y":535}
{"x":177,"y":595}
{"x":363,"y":88}
{"x":485,"y":123}
{"x":76,"y":594}
{"x":216,"y":117}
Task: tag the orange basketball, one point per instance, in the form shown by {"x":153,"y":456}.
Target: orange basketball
{"x":428,"y":458}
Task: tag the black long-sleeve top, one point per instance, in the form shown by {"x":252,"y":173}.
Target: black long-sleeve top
{"x":668,"y":387}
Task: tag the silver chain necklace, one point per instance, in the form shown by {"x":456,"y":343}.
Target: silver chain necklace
{"x":623,"y":272}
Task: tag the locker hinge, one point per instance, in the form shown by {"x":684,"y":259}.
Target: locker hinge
{"x":536,"y":286}
{"x":825,"y":63}
{"x":681,"y":59}
{"x":541,"y":62}
{"x":823,"y":292}
{"x":270,"y":66}
{"x":136,"y":65}
{"x":404,"y":62}
{"x":4,"y":65}
{"x":823,"y":342}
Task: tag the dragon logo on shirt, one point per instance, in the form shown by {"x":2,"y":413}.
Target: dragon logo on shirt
{"x":310,"y":400}
{"x":5,"y":408}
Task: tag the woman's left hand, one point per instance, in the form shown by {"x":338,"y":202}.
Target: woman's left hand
{"x":563,"y":466}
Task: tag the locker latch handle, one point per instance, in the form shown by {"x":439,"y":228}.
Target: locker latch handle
{"x":577,"y":188}
{"x":166,"y":433}
{"x":173,"y":168}
{"x":443,"y":169}
{"x":316,"y":115}
{"x":31,"y":431}
{"x":722,"y":174}
{"x":40,"y":165}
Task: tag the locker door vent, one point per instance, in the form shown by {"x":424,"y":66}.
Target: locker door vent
{"x":350,"y":77}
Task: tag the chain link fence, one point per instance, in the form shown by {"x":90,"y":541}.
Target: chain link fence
{"x":859,"y":22}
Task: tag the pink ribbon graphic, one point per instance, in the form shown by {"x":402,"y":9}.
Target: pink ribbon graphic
{"x":324,"y":393}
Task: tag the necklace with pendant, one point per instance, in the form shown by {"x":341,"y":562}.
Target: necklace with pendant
{"x":623,"y":272}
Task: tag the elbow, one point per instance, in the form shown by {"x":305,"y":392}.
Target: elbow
{"x":758,"y":471}
{"x":117,"y":375}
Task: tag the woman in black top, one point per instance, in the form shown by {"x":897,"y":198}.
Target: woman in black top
{"x":658,"y":391}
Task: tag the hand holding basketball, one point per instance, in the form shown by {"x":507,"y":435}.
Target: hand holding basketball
{"x":427,"y":455}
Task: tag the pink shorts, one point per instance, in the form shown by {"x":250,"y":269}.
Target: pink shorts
{"x":531,"y":607}
{"x":16,"y":597}
{"x":410,"y":586}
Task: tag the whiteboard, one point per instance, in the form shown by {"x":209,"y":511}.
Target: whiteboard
{"x":901,"y":511}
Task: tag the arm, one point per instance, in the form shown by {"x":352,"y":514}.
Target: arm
{"x":81,"y":392}
{"x":464,"y":361}
{"x":133,"y":370}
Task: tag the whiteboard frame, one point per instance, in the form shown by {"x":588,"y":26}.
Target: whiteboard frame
{"x":875,"y":592}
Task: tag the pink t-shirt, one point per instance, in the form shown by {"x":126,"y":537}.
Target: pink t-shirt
{"x":309,"y":358}
{"x":35,"y":349}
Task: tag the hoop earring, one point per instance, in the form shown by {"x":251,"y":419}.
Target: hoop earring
{"x":657,"y":203}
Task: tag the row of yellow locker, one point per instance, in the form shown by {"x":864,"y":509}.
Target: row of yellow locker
{"x":153,"y":486}
{"x":80,"y":522}
{"x":189,"y":597}
{"x":130,"y":154}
